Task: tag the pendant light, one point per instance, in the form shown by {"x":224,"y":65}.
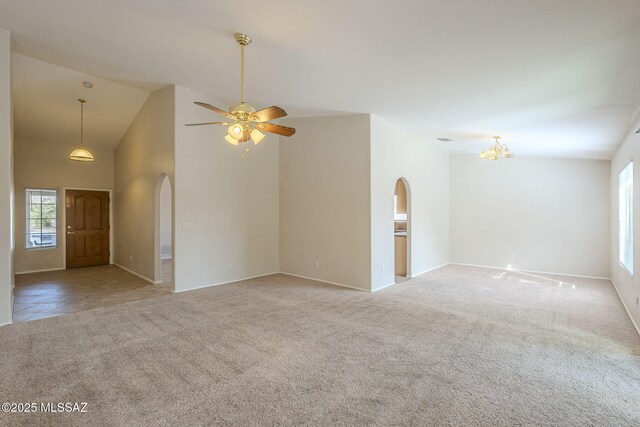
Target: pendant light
{"x":81,"y":154}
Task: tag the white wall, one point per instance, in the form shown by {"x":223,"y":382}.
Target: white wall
{"x":628,"y":286}
{"x":226,"y":205}
{"x":6,"y":181}
{"x":142,"y":159}
{"x":536,"y":214}
{"x":45,"y":164}
{"x":166,"y":221}
{"x":395,"y":154}
{"x":325,"y":200}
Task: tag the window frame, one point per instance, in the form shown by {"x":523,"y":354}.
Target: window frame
{"x":625,"y":228}
{"x":28,"y":218}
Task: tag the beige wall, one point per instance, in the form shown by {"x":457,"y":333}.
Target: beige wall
{"x":325,"y":200}
{"x":628,"y":285}
{"x":226,"y":205}
{"x":143,"y":157}
{"x":44,"y":164}
{"x":6,"y":181}
{"x":537,"y":214}
{"x":395,"y":154}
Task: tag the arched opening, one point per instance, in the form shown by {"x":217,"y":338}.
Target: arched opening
{"x":402,"y":230}
{"x":164,"y":232}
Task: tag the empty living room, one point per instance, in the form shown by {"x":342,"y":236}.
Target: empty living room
{"x":354,"y":213}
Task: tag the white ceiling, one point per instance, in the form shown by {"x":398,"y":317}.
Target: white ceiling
{"x":46,"y":107}
{"x":554,"y":77}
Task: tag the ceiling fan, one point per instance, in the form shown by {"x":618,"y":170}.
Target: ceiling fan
{"x":245,"y":122}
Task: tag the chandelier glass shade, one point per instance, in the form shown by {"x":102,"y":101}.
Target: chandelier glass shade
{"x":496,"y":151}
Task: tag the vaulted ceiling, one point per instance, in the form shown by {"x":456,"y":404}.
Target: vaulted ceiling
{"x":554,"y":78}
{"x":46,"y":107}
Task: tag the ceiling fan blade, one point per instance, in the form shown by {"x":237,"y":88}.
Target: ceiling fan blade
{"x":207,"y":123}
{"x":270,"y":113}
{"x":212,"y":108}
{"x":280,"y":130}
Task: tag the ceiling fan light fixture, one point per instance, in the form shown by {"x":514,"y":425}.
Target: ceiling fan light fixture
{"x":257,"y":136}
{"x":231,"y":140}
{"x":81,"y":153}
{"x":246,"y":123}
{"x":235,"y":131}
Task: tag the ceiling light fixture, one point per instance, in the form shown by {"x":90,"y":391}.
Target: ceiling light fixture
{"x":247,"y":124}
{"x":496,"y":151}
{"x":81,"y":154}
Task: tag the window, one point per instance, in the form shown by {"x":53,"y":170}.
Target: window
{"x":41,"y":218}
{"x":625,"y":216}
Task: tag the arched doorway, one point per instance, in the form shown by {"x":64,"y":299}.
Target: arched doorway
{"x":164,"y":232}
{"x":402,"y":229}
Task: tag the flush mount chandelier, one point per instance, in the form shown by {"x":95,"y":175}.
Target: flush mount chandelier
{"x":496,"y":151}
{"x":81,"y":153}
{"x":246,"y":123}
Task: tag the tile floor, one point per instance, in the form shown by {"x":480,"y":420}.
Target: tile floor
{"x":48,"y":294}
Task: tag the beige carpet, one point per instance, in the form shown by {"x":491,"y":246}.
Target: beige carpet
{"x":458,"y":346}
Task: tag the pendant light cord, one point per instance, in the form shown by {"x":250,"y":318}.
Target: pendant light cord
{"x":82,"y":124}
{"x":81,"y":101}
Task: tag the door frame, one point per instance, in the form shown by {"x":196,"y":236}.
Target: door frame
{"x":157,"y":250}
{"x":64,"y":221}
{"x":407,"y":188}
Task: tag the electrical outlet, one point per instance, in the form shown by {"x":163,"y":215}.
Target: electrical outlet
{"x":130,"y":258}
{"x":229,"y":266}
{"x":317,"y":264}
{"x":382,"y":269}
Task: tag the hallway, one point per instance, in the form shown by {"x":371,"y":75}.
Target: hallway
{"x":53,"y":293}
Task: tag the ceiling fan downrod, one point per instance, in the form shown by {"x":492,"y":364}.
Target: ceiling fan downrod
{"x":243,"y":40}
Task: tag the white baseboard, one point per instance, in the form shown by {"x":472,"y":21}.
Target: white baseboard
{"x":625,"y":306}
{"x":383,"y":287}
{"x":429,"y":270}
{"x":38,"y":271}
{"x":225,"y":283}
{"x":410,"y":277}
{"x":138,"y":274}
{"x":518,"y":270}
{"x":325,"y":281}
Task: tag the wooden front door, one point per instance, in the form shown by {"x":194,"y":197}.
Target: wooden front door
{"x":87,"y":228}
